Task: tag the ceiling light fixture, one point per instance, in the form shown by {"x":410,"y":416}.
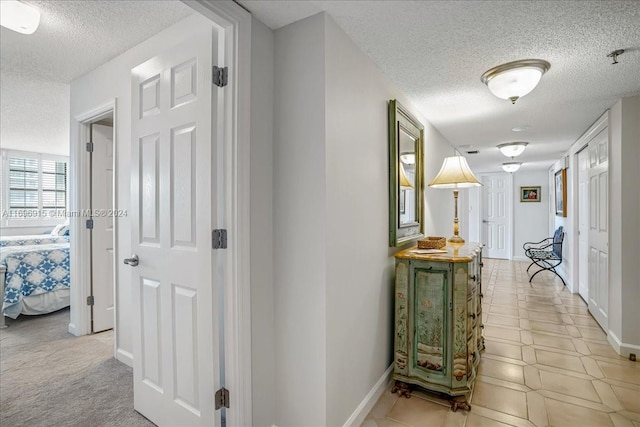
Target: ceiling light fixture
{"x":511,"y":166}
{"x":19,"y":17}
{"x":515,"y":79}
{"x":512,"y":149}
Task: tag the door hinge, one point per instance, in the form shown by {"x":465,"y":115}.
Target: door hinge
{"x":90,"y":300}
{"x":220,"y":76}
{"x":90,"y":224}
{"x":219,"y":238}
{"x":222,"y":398}
{"x":90,"y":147}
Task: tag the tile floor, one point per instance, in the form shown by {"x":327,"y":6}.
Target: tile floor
{"x":546,"y":363}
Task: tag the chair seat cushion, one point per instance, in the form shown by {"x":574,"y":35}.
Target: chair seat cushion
{"x":532,"y":253}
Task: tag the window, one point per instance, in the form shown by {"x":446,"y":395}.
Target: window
{"x":34,"y":190}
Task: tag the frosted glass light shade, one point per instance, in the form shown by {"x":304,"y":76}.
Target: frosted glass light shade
{"x":455,"y":173}
{"x":515,"y":79}
{"x":511,"y":166}
{"x":19,"y":17}
{"x":512,"y":149}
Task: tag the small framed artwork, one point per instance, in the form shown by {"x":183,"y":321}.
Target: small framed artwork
{"x":561,"y":193}
{"x":529,"y":194}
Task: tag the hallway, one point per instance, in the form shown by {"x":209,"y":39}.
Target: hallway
{"x":546,"y":363}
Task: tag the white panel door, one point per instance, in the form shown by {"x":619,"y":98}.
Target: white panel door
{"x":176,"y":357}
{"x":583,"y":224}
{"x":496,"y":205}
{"x":102,"y":261}
{"x":598,"y":297}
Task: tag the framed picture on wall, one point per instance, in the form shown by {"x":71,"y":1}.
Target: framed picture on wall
{"x":561,"y":193}
{"x":530,"y":194}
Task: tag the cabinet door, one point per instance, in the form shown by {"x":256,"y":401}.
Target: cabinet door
{"x":429,"y":315}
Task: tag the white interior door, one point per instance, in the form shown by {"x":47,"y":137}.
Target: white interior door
{"x":583,"y":224}
{"x":102,"y":254}
{"x":496,"y":217}
{"x":598,"y":228}
{"x":176,"y":357}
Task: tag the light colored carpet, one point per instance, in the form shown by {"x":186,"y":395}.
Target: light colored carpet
{"x":49,"y":377}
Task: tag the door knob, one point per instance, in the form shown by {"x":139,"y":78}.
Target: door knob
{"x":133,"y":261}
{"x":484,"y":221}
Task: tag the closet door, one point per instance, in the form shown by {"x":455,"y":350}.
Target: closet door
{"x":598,"y":228}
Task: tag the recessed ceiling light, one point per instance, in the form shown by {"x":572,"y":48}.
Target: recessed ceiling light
{"x":522,"y":128}
{"x":19,"y":17}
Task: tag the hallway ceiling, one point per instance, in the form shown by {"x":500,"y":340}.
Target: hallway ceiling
{"x":436,"y":51}
{"x":77,"y":36}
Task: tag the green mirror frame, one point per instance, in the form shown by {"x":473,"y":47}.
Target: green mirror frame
{"x":406,"y":202}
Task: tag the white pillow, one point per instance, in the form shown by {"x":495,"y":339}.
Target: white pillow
{"x":59,"y":230}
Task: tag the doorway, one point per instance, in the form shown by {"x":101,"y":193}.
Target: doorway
{"x":497,"y":214}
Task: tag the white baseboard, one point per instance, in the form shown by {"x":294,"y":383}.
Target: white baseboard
{"x":623,"y":349}
{"x":73,"y":330}
{"x":124,"y":357}
{"x":363,"y":409}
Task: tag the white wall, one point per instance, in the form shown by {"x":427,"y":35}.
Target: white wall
{"x":624,"y":234}
{"x":299,"y":227}
{"x":530,"y":219}
{"x":34,"y":115}
{"x":333,"y":266}
{"x":99,"y":87}
{"x":262,"y":302}
{"x":565,"y":268}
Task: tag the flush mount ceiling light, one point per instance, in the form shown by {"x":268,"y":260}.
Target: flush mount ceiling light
{"x":19,"y":17}
{"x":408,"y":158}
{"x":511,"y":166}
{"x":512,"y":149}
{"x":515,"y":79}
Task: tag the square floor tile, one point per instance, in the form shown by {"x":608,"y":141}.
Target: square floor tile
{"x":559,"y":360}
{"x":552,"y":341}
{"x":500,"y":399}
{"x":568,"y":385}
{"x":418,"y":412}
{"x":511,"y":351}
{"x":563,"y":414}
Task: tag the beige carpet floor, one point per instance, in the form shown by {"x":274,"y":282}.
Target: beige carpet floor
{"x":48,"y":377}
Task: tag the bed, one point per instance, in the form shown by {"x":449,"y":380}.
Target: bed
{"x":34,"y":275}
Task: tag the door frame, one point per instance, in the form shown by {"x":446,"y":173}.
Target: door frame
{"x":236,"y":25}
{"x":509,"y":205}
{"x":600,"y":124}
{"x":80,"y":199}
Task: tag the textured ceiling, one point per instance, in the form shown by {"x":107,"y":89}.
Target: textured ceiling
{"x":436,"y":51}
{"x":74,"y":37}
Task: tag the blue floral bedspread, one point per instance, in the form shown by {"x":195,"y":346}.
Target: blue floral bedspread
{"x":38,"y":239}
{"x":33,"y":270}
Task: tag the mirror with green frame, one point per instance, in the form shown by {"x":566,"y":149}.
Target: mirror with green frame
{"x":406,"y":190}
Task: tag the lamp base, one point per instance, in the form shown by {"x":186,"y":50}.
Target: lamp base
{"x":456,"y":239}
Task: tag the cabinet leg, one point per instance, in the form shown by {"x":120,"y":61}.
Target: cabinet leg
{"x":402,"y":389}
{"x":460,"y":402}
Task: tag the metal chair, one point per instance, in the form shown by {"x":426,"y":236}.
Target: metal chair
{"x":546,"y":254}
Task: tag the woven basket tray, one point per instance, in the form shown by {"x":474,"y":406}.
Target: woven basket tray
{"x":431,"y":242}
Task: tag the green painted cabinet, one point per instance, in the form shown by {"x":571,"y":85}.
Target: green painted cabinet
{"x":438,"y":320}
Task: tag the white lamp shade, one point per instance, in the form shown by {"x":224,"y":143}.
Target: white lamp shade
{"x":455,"y":173}
{"x":19,"y":17}
{"x":405,"y":182}
{"x":511,"y":166}
{"x":512,"y":149}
